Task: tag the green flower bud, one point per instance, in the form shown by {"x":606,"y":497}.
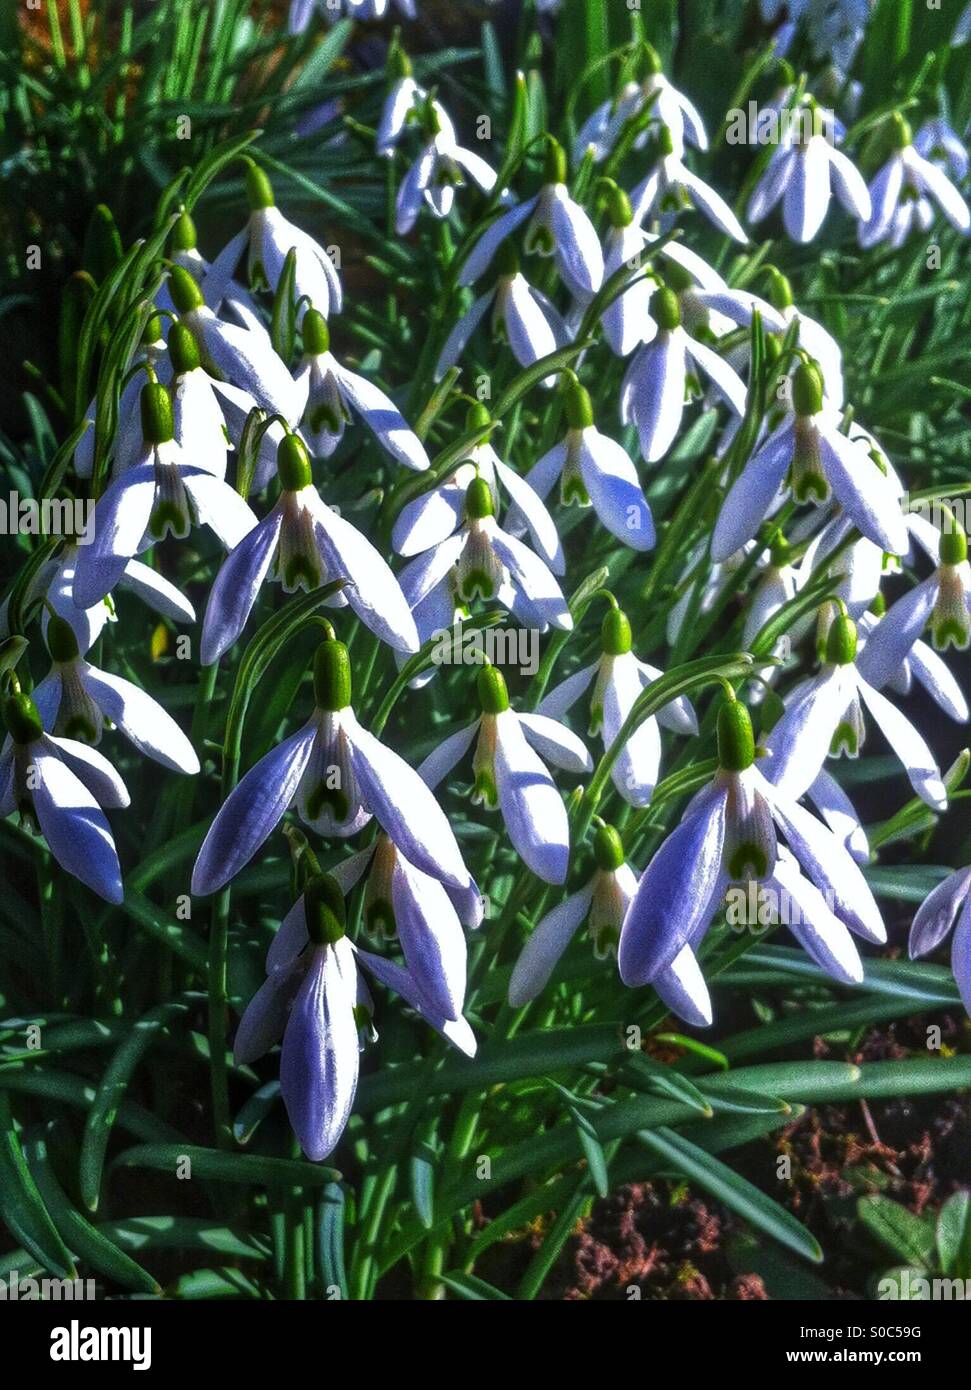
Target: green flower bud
{"x":183,"y":349}
{"x":578,"y":406}
{"x":807,"y":389}
{"x":186,"y":294}
{"x":615,"y":633}
{"x":665,"y":310}
{"x":332,"y":676}
{"x":954,"y":542}
{"x":22,"y":720}
{"x":293,"y":464}
{"x":184,"y":233}
{"x":323,"y":904}
{"x":736,"y":742}
{"x":554,"y":163}
{"x":259,"y":190}
{"x":493,"y":695}
{"x":61,"y":641}
{"x":608,"y":849}
{"x":316,"y":333}
{"x":156,"y":407}
{"x":478,"y":500}
{"x":841,"y":642}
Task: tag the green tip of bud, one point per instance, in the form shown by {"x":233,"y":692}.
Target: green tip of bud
{"x":61,"y":641}
{"x":615,"y":633}
{"x":22,"y":720}
{"x":579,"y":407}
{"x":665,"y":309}
{"x":316,"y":333}
{"x":901,"y":134}
{"x":954,"y":542}
{"x":841,"y":642}
{"x":323,"y":904}
{"x":507,"y":259}
{"x":293,"y":464}
{"x":184,"y":233}
{"x":186,"y":294}
{"x":780,"y":290}
{"x":259,"y":190}
{"x":652,"y":59}
{"x":183,"y":349}
{"x":807,"y":389}
{"x":478,"y":417}
{"x":554,"y":163}
{"x":493,"y":695}
{"x":156,"y":405}
{"x":619,"y":208}
{"x":736,"y":742}
{"x":608,"y":849}
{"x":478,"y":500}
{"x":332,"y":676}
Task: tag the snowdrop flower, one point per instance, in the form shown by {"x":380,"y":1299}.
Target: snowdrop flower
{"x":825,"y":716}
{"x":947,"y":907}
{"x":778,"y":316}
{"x":481,"y":559}
{"x":668,"y":107}
{"x":225,"y":296}
{"x":907,"y":177}
{"x":269,"y":238}
{"x":603,"y":903}
{"x":809,"y":450}
{"x":625,"y":321}
{"x":315,"y":998}
{"x":433,"y":517}
{"x":151,"y":357}
{"x":557,"y":227}
{"x":54,"y":581}
{"x":330,"y":391}
{"x":671,"y":187}
{"x":618,"y":680}
{"x":595,"y":471}
{"x":942,"y":603}
{"x":401,"y":106}
{"x":920,"y":663}
{"x":338,"y":776}
{"x":729,"y":834}
{"x":401,"y":901}
{"x":652,"y":396}
{"x":522,"y":316}
{"x":245,"y":357}
{"x":440,"y":168}
{"x":939,"y":142}
{"x":509,"y":763}
{"x":803,"y":173}
{"x":65,"y":785}
{"x":308,"y":544}
{"x":160,"y":493}
{"x":76,"y":700}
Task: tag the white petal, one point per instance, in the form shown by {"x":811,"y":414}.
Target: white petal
{"x":547,"y":943}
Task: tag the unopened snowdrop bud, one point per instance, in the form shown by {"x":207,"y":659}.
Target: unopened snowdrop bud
{"x":736,"y":742}
{"x":615,"y":633}
{"x":807,"y":389}
{"x":157,"y":420}
{"x":841,"y":642}
{"x":332,"y":676}
{"x":183,"y":350}
{"x":22,"y":720}
{"x":608,"y":849}
{"x":324,"y":908}
{"x":493,"y":695}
